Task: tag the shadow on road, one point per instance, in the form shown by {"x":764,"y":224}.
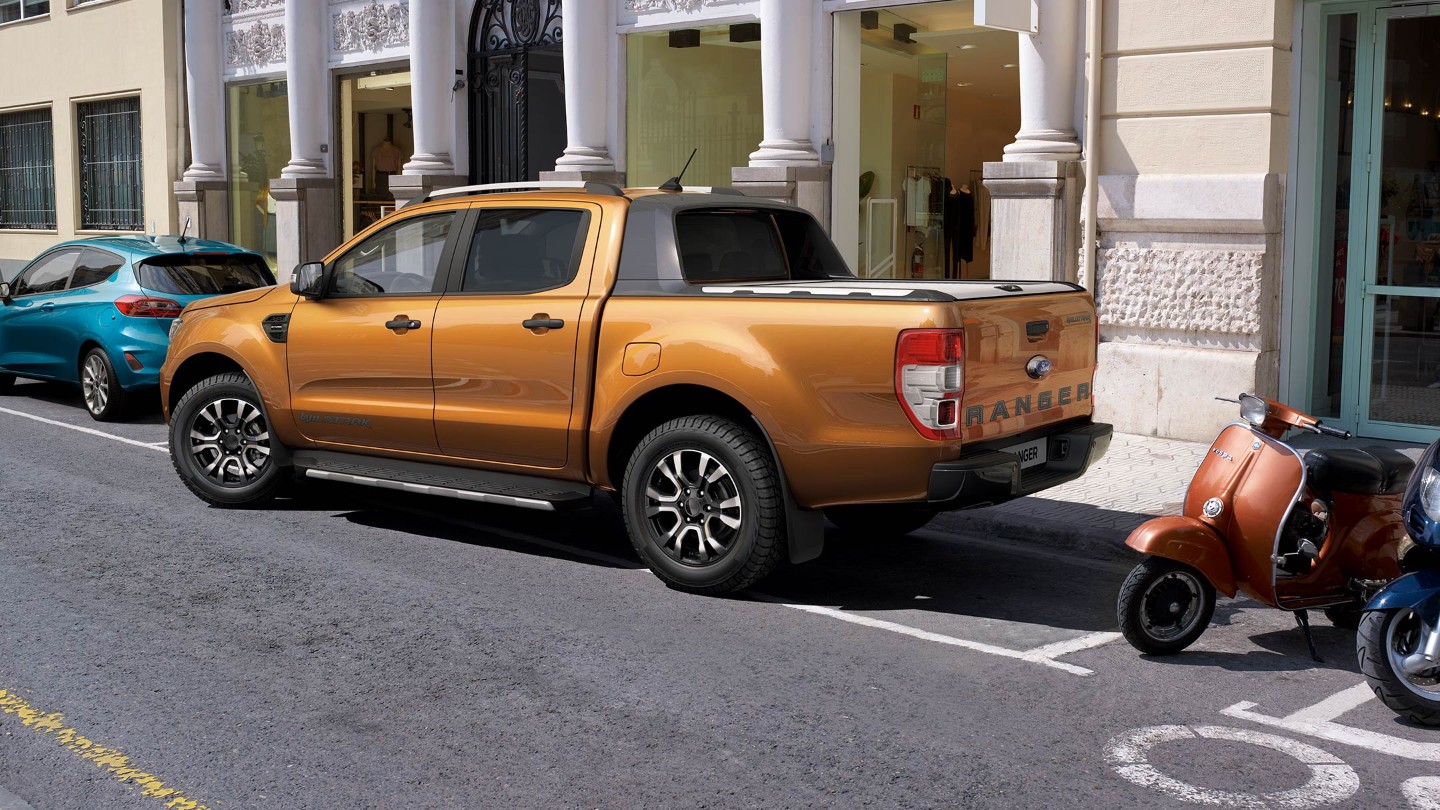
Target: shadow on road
{"x":145,"y":406}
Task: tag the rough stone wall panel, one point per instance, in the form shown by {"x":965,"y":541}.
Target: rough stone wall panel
{"x":1205,"y":292}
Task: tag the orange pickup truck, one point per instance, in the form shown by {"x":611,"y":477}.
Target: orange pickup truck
{"x":707,"y":356}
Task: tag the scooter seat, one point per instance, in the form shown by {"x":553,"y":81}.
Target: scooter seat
{"x":1361,"y":471}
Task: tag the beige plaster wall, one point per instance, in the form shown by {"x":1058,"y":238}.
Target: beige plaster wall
{"x":1195,"y":86}
{"x":102,"y":49}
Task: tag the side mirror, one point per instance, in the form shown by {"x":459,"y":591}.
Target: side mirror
{"x":5,"y":293}
{"x":309,"y":280}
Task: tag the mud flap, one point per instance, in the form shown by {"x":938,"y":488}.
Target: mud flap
{"x":804,"y":528}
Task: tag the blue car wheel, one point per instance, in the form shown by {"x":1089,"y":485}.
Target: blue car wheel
{"x":104,"y":398}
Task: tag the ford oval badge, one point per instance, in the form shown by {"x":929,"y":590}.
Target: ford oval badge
{"x":1039,"y":367}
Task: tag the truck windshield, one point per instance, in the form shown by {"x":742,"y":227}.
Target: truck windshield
{"x":203,"y":274}
{"x":747,"y":244}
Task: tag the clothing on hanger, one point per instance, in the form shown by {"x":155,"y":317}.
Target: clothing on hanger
{"x":917,"y":198}
{"x":959,"y":227}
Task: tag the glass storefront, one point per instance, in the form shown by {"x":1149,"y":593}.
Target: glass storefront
{"x":376,"y":140}
{"x":1375,"y":359}
{"x":696,"y":88}
{"x":937,"y":98}
{"x":259,"y":147}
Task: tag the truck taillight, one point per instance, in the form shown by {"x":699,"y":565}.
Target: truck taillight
{"x":930,"y":380}
{"x":145,"y":306}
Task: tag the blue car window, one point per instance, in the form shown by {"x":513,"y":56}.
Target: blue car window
{"x":203,"y":273}
{"x":50,"y":274}
{"x":94,"y":267}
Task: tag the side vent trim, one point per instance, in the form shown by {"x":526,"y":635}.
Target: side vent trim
{"x":277,"y":327}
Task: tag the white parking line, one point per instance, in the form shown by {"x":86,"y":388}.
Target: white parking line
{"x":1319,"y":721}
{"x":102,"y":434}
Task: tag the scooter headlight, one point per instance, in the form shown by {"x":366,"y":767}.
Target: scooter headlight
{"x":1253,"y":409}
{"x":1430,"y":492}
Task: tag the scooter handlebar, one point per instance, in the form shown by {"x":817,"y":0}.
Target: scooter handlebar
{"x":1326,"y":430}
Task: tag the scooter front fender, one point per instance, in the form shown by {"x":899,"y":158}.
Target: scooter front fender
{"x":1410,"y":591}
{"x":1187,"y":540}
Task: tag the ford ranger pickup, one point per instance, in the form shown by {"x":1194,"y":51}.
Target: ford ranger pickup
{"x":707,"y":357}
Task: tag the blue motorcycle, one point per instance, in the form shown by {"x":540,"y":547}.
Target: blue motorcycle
{"x":1399,"y":635}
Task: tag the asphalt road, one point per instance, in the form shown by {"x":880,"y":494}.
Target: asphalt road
{"x":349,"y":648}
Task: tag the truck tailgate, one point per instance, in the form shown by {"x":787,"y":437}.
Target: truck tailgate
{"x":1009,"y":342}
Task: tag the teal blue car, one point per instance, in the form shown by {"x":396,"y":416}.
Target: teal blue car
{"x":97,"y":312}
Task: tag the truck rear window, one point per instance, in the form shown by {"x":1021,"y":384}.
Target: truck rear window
{"x":724,"y":245}
{"x":194,"y":274}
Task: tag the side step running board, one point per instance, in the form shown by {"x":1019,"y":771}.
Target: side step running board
{"x":466,"y":484}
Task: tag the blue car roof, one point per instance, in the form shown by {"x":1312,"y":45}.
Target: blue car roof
{"x":145,"y":246}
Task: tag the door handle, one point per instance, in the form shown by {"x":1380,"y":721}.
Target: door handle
{"x":47,"y":307}
{"x":402,"y":323}
{"x":542,"y":322}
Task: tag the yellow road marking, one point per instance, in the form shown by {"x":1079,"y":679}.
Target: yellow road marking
{"x":52,"y":725}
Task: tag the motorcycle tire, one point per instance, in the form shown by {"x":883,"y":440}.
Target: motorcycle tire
{"x":1383,"y":639}
{"x":1164,"y":606}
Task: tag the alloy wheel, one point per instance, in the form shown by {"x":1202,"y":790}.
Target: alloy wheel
{"x":1172,"y":604}
{"x":230,"y":442}
{"x":1405,"y":637}
{"x":95,"y":384}
{"x":693,"y":507}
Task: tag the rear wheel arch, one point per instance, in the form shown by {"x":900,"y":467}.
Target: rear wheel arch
{"x":657,"y":407}
{"x":85,"y":346}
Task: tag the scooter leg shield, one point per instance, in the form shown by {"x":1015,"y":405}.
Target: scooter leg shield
{"x":1410,"y":591}
{"x":1189,"y":541}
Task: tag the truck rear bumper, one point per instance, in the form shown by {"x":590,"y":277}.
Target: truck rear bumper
{"x":989,"y":476}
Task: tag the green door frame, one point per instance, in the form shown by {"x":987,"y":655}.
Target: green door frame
{"x":1303,"y":252}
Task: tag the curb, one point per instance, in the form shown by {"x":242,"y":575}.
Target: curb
{"x":1095,"y":542}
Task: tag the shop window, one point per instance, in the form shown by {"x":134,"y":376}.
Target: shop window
{"x":111,"y":169}
{"x":697,"y":91}
{"x":259,"y":147}
{"x":12,"y":10}
{"x":27,"y":171}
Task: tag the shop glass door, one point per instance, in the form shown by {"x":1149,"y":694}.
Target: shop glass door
{"x":1398,"y":309}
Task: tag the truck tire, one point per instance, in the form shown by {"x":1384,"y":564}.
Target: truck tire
{"x":703,"y":505}
{"x":880,"y":520}
{"x":221,"y":445}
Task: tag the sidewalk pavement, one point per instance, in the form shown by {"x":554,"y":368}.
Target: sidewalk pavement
{"x":1139,"y":478}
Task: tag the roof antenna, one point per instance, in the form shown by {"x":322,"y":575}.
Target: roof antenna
{"x":673,"y":184}
{"x":184,"y":230}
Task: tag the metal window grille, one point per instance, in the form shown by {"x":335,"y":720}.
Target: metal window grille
{"x":27,"y":171}
{"x":111,"y":183}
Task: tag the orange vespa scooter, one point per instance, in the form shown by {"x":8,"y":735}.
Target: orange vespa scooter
{"x":1319,"y":532}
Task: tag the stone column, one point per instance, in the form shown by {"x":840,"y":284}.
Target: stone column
{"x":305,"y":192}
{"x":587,"y":92}
{"x":432,"y":98}
{"x":1035,"y":193}
{"x":1049,"y":63}
{"x":202,"y":194}
{"x":786,"y":166}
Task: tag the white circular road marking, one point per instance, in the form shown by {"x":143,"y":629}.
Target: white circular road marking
{"x":1422,"y":792}
{"x":1331,"y":780}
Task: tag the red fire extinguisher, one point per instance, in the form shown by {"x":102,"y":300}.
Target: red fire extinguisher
{"x":917,"y":262}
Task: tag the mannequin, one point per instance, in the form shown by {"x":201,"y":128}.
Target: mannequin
{"x":959,"y":228}
{"x":386,"y":158}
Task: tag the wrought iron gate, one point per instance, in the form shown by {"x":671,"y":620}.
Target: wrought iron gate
{"x":513,"y":45}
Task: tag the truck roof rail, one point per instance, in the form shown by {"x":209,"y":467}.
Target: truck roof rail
{"x":697,"y":190}
{"x":589,"y":187}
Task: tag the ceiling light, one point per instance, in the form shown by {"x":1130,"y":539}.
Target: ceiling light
{"x":964,"y":84}
{"x":970,"y":47}
{"x":1010,"y":65}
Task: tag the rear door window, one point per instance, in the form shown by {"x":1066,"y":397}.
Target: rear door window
{"x":731,"y":245}
{"x":202,"y":274}
{"x":524,"y":250}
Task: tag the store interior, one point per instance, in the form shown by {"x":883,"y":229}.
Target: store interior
{"x":376,"y":139}
{"x":938,"y":97}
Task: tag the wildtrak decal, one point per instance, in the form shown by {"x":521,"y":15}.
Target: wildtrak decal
{"x":1043,"y":401}
{"x":315,"y":418}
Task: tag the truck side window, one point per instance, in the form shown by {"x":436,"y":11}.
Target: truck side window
{"x":401,"y":259}
{"x":729,"y":244}
{"x":525,"y":250}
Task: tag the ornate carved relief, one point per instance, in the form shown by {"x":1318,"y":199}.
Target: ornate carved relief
{"x":1209,"y":291}
{"x":372,"y":28}
{"x":517,"y":24}
{"x":260,"y":44}
{"x":242,"y":6}
{"x":650,"y":6}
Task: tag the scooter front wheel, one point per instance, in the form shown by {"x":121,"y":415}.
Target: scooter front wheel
{"x":1388,"y":645}
{"x":1164,"y":606}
